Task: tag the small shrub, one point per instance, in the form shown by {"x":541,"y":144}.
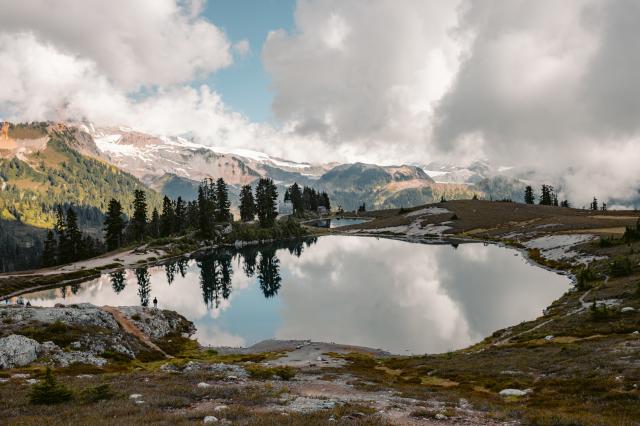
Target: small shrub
{"x":584,"y":278}
{"x":620,"y":267}
{"x":285,"y":372}
{"x":600,"y":313}
{"x":259,"y":372}
{"x":97,"y":393}
{"x":135,"y":317}
{"x":49,"y":391}
{"x":454,"y":217}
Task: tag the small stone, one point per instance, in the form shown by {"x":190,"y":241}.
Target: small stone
{"x":548,"y":338}
{"x":220,"y":408}
{"x":210,"y":419}
{"x":76,"y":345}
{"x":135,"y":396}
{"x":139,"y":401}
{"x":84,"y":376}
{"x":627,"y":309}
{"x":440,"y":416}
{"x":203,"y":385}
{"x":636,"y":332}
{"x":319,"y":359}
{"x":512,"y":392}
{"x":31,"y":381}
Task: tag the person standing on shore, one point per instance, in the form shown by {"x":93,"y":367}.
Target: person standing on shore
{"x":155,"y":303}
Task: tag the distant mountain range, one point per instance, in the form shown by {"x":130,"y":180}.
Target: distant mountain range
{"x":174,"y":165}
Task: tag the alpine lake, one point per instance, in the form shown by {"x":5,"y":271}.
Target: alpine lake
{"x":401,"y":297}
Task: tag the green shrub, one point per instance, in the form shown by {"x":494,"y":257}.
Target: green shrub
{"x":49,"y":391}
{"x":584,"y":278}
{"x":97,"y":393}
{"x":285,"y":372}
{"x":259,"y":372}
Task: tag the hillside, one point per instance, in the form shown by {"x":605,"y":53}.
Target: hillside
{"x":41,"y":167}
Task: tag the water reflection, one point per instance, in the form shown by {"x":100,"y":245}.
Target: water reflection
{"x":382,"y":293}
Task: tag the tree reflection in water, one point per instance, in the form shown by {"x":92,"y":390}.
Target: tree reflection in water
{"x":118,"y":281}
{"x":144,"y":285}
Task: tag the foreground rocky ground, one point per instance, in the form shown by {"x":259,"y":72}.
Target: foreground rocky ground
{"x":579,"y":363}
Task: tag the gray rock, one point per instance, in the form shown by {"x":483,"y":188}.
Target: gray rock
{"x":210,"y":419}
{"x":627,"y":309}
{"x":17,"y":351}
{"x":440,"y":416}
{"x":65,"y":359}
{"x":513,"y":392}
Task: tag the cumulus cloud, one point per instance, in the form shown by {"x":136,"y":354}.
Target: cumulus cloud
{"x":542,"y":85}
{"x":134,"y":43}
{"x":363,"y":73}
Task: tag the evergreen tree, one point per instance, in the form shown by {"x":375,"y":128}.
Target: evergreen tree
{"x":266,"y":197}
{"x":247,"y":204}
{"x":528,"y":195}
{"x":168,"y":219}
{"x":546,"y":198}
{"x":206,"y":208}
{"x":144,"y":285}
{"x":295,"y":195}
{"x":269,"y":273}
{"x":72,"y":249}
{"x":594,"y":204}
{"x":223,"y":214}
{"x":325,"y":201}
{"x":181,"y":216}
{"x":155,"y":225}
{"x":565,"y":203}
{"x":60,"y":229}
{"x":139,"y":219}
{"x":50,"y":249}
{"x":114,"y":225}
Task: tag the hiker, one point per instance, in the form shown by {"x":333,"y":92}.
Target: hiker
{"x":155,"y":303}
{"x":28,"y":303}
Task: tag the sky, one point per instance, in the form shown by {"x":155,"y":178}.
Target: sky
{"x":544,"y":86}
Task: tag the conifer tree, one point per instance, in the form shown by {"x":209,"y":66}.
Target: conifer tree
{"x":139,"y":219}
{"x":325,"y":201}
{"x":49,"y":250}
{"x":247,"y":204}
{"x":154,"y":225}
{"x":60,"y":230}
{"x":297,"y":202}
{"x":205,"y":210}
{"x":167,"y":220}
{"x":114,"y":225}
{"x":180,"y":215}
{"x":594,"y":204}
{"x":266,"y":197}
{"x":528,"y":195}
{"x":72,"y":248}
{"x":223,"y":214}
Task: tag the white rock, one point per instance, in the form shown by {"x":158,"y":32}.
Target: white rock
{"x":210,"y":419}
{"x":440,"y":416}
{"x":31,"y":381}
{"x":548,"y":338}
{"x":20,"y":376}
{"x":220,"y":408}
{"x":135,"y":396}
{"x":627,"y":309}
{"x":203,"y":385}
{"x":319,"y":359}
{"x":17,"y":351}
{"x":512,"y":392}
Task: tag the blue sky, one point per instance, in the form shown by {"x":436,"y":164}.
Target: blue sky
{"x":244,"y":86}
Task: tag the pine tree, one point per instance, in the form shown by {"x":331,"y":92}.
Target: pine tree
{"x":139,"y":219}
{"x":594,"y":204}
{"x":205,"y":213}
{"x":266,"y":197}
{"x":296,"y":199}
{"x":114,"y":225}
{"x":181,"y":216}
{"x":528,"y":195}
{"x":50,"y":249}
{"x":60,"y":230}
{"x":155,"y":225}
{"x":247,"y":204}
{"x":223,"y":214}
{"x":326,"y":202}
{"x":546,"y":199}
{"x":72,"y":249}
{"x":167,"y":220}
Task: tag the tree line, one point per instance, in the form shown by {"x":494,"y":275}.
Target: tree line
{"x":548,"y":197}
{"x":307,"y":199}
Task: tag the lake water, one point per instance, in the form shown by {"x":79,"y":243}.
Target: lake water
{"x":381,"y":293}
{"x":338,"y":222}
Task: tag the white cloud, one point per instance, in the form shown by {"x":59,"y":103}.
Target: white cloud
{"x":133,"y":43}
{"x":242,"y":48}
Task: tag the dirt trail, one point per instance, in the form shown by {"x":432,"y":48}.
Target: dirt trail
{"x":130,"y":328}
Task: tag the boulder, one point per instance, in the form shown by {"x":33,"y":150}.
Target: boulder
{"x":17,"y":351}
{"x":627,"y":309}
